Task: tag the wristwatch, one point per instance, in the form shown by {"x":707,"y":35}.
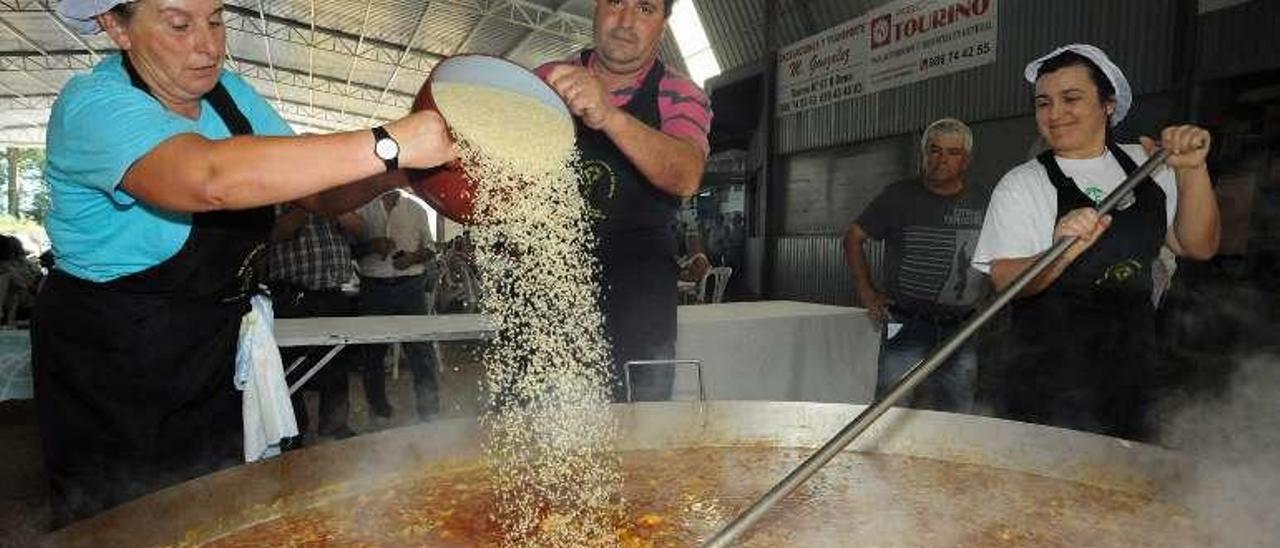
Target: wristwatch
{"x":386,"y":148}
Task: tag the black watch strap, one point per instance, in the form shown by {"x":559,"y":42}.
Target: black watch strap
{"x":380,"y":133}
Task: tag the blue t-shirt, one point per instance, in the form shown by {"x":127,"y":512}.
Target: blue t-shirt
{"x":99,"y":126}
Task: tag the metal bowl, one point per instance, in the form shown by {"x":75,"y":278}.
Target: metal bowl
{"x":448,"y":188}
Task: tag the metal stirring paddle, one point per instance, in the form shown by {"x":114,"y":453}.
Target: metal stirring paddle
{"x":920,"y":370}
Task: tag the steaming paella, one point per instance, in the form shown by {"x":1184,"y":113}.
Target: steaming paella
{"x":680,"y":497}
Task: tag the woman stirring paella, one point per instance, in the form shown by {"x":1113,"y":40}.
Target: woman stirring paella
{"x":1083,"y":329}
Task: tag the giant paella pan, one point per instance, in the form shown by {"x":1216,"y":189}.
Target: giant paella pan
{"x":916,"y":478}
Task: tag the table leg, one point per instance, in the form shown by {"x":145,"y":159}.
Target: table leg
{"x":316,"y":368}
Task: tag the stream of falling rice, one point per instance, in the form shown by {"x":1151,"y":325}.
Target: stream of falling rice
{"x":550,"y":436}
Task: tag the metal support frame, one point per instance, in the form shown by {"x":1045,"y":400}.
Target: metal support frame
{"x":328,"y":357}
{"x":266,"y":43}
{"x":24,"y":100}
{"x":532,"y":16}
{"x":18,"y":101}
{"x":4,"y":23}
{"x":253,"y":70}
{"x":19,"y":6}
{"x":324,"y":84}
{"x":78,"y":60}
{"x":413,"y":37}
{"x":320,"y":117}
{"x":529,"y":36}
{"x":697,"y":367}
{"x":521,"y":13}
{"x":19,"y":61}
{"x":281,"y":29}
{"x":68,"y":31}
{"x":351,"y":69}
{"x":311,"y":57}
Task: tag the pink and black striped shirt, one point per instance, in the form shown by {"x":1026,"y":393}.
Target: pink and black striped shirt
{"x":682,"y":105}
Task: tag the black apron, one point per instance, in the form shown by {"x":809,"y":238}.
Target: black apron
{"x":1082,"y":349}
{"x":134,"y":376}
{"x":636,"y":247}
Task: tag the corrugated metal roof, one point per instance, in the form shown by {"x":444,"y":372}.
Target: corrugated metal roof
{"x":540,"y":48}
{"x":735,"y":29}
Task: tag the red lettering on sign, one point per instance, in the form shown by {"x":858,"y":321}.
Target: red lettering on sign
{"x":885,"y":31}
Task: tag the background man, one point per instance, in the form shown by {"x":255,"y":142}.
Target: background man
{"x":929,"y":229}
{"x":392,"y":254}
{"x":309,"y":261}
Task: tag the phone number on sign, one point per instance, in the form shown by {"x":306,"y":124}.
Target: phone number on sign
{"x":948,"y":57}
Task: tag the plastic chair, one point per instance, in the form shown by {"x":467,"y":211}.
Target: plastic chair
{"x":721,"y":275}
{"x":699,"y":292}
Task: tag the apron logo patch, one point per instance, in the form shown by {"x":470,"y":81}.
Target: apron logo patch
{"x":1119,"y":274}
{"x":1096,"y":194}
{"x":601,"y":186}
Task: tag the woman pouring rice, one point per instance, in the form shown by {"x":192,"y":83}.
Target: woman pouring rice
{"x":163,"y":170}
{"x":1082,"y":329}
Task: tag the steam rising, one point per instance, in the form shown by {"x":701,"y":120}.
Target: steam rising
{"x":1236,"y":440}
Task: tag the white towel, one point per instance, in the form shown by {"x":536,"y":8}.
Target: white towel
{"x":268,"y":411}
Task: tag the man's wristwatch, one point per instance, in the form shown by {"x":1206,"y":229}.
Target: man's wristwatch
{"x":386,"y":148}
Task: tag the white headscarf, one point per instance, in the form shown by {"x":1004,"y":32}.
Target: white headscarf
{"x":1124,"y":94}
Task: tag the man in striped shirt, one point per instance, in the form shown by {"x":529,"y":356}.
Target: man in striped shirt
{"x":308,"y":262}
{"x":642,"y":132}
{"x":929,"y":228}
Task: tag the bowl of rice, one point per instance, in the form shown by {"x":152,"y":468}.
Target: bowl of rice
{"x":495,"y":105}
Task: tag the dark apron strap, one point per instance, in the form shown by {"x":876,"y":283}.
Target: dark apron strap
{"x":636,"y":248}
{"x":224,"y":257}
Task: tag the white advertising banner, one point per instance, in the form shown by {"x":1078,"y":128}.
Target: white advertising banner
{"x":899,"y":43}
{"x":824,"y":68}
{"x":913,"y":40}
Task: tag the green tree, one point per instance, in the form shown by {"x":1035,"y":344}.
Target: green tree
{"x":36,"y":202}
{"x":28,"y":196}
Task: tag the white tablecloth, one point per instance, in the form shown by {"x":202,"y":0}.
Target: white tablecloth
{"x":778,"y":350}
{"x":772,"y":350}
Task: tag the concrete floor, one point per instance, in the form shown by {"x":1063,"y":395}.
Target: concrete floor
{"x":458,"y":374}
{"x":23,"y":492}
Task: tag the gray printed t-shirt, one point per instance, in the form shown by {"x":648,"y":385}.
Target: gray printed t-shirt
{"x":929,"y":240}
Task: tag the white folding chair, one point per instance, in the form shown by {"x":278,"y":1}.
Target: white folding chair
{"x":721,"y":275}
{"x":700,"y":290}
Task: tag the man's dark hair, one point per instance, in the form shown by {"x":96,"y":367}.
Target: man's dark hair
{"x":666,"y":7}
{"x":1106,"y":91}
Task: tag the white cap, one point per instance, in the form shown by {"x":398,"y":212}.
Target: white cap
{"x":1124,"y":94}
{"x":81,"y":14}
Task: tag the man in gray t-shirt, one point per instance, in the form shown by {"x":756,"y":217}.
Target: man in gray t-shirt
{"x":929,"y":228}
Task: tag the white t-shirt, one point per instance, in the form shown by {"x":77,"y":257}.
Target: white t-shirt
{"x":407,"y":225}
{"x":1024,"y":205}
